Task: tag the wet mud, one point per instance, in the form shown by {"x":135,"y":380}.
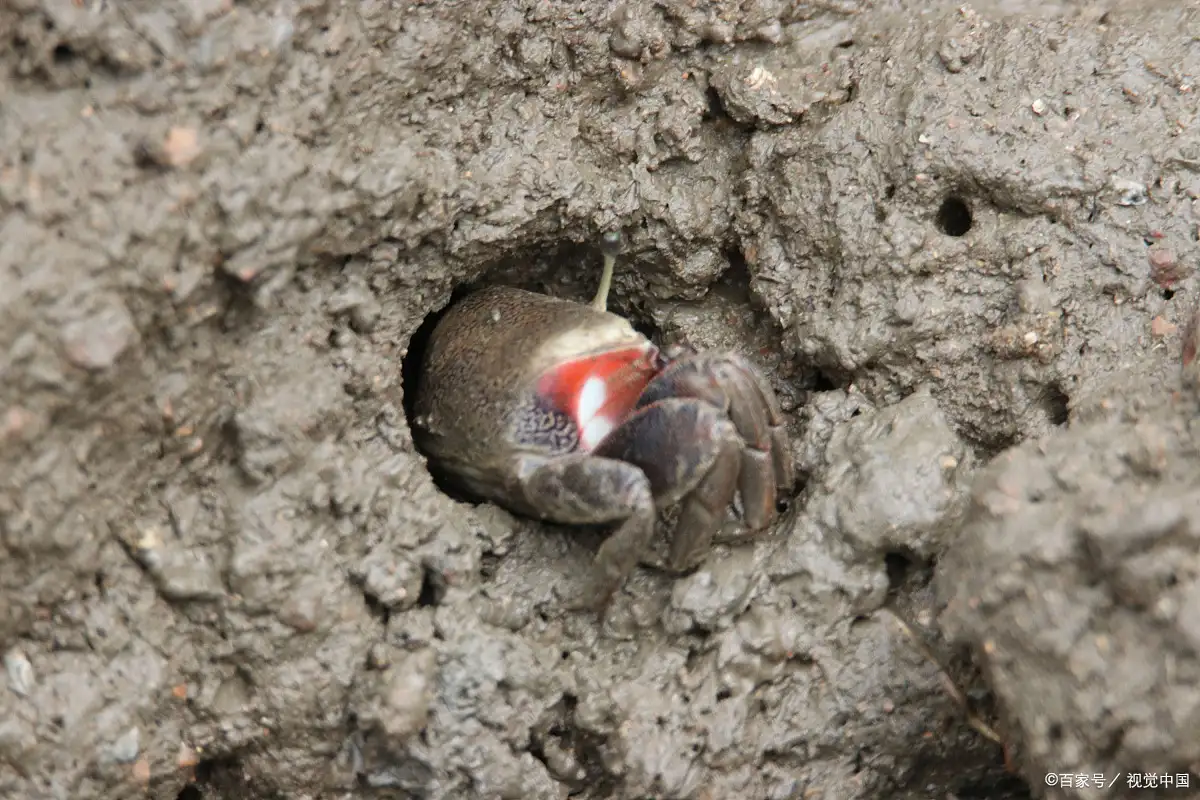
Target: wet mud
{"x":961,"y":241}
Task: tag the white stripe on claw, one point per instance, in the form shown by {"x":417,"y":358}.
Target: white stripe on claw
{"x":592,"y":426}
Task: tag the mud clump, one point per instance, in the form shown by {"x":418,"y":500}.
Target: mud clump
{"x":961,"y":242}
{"x":1076,"y":576}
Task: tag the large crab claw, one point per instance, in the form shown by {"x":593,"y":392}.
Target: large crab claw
{"x":705,"y":428}
{"x":745,"y":449}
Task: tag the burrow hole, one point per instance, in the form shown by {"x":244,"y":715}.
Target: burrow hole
{"x":410,"y":380}
{"x":954,"y":217}
{"x":906,"y":570}
{"x":1056,"y":405}
{"x":63,"y":54}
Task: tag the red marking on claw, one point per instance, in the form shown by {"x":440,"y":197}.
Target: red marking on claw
{"x":599,"y":391}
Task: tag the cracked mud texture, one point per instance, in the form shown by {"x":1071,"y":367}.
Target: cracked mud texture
{"x":946,"y":233}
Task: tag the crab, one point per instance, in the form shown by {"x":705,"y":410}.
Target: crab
{"x":563,"y":412}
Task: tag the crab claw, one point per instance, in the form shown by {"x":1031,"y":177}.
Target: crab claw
{"x":732,"y":384}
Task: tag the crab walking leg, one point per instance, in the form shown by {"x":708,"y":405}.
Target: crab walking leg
{"x":702,"y":511}
{"x":581,"y":488}
{"x":691,"y":453}
{"x":733,"y":385}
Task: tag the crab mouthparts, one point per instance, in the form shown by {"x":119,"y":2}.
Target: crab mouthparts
{"x":598,"y":392}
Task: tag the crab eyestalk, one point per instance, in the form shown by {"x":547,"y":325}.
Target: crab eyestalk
{"x":610,"y":248}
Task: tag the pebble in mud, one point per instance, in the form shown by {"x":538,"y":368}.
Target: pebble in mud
{"x":302,"y":610}
{"x":96,"y":341}
{"x":125,"y":748}
{"x":1165,"y":268}
{"x":20,"y":672}
{"x":178,"y":572}
{"x":358,"y":305}
{"x":713,"y":596}
{"x":896,"y":478}
{"x":398,"y":700}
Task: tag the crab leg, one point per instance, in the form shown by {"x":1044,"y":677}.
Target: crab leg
{"x":580,"y":488}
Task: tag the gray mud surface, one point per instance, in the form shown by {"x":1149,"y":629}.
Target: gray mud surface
{"x":962,"y":242}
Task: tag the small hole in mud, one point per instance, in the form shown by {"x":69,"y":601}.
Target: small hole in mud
{"x":825,"y":382}
{"x":376,"y":608}
{"x":1055,"y":732}
{"x":954,"y":217}
{"x":433,"y":589}
{"x":782,"y":504}
{"x":898,"y":566}
{"x":723,"y":694}
{"x":1168,"y":294}
{"x":1055,"y":403}
{"x":716,"y":106}
{"x":889,"y":192}
{"x":63,"y":54}
{"x":189,"y":793}
{"x":566,"y":655}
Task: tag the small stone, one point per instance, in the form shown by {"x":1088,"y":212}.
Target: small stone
{"x":97,"y":341}
{"x":302,"y":609}
{"x":1127,"y":192}
{"x":357,"y":302}
{"x":181,"y":147}
{"x":20,"y":672}
{"x":394,"y":582}
{"x":1165,"y":269}
{"x":379,"y":656}
{"x":404,"y":695}
{"x":1039,"y":107}
{"x":770,"y":31}
{"x":20,"y":424}
{"x":125,"y":749}
{"x":1191,"y":338}
{"x":1161,"y":328}
{"x":365,"y":317}
{"x":182,"y":574}
{"x":186,"y":757}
